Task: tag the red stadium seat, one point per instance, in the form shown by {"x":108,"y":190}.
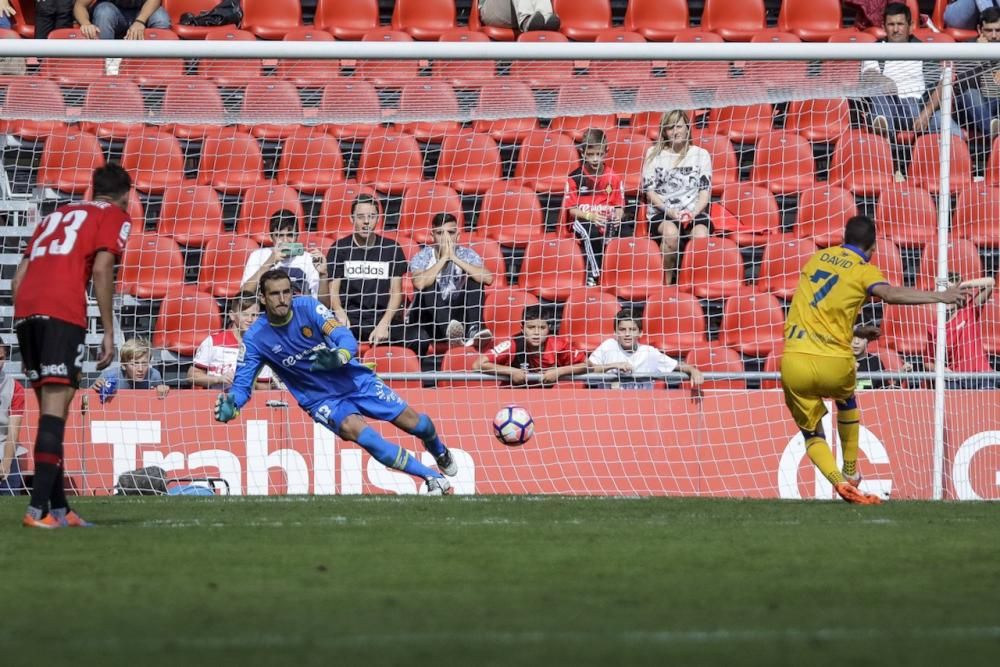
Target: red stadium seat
{"x":231,"y":162}
{"x":469,"y":162}
{"x":698,"y":73}
{"x":387,"y":73}
{"x":493,"y":259}
{"x":511,"y":215}
{"x":993,"y":168}
{"x":851,"y":36}
{"x":230,"y":72}
{"x":311,"y":161}
{"x":514,"y":101}
{"x":823,"y":212}
{"x":394,"y":359}
{"x":459,"y":360}
{"x":390,"y":161}
{"x":734,"y":20}
{"x":552,"y":268}
{"x":262,"y":201}
{"x":152,"y":266}
{"x":503,"y":310}
{"x":545,"y":161}
{"x":674,"y":321}
{"x":177,"y":8}
{"x":583,"y":20}
{"x":907,"y":215}
{"x":271,"y":19}
{"x":347,"y":20}
{"x":186,"y":319}
{"x":464,"y":73}
{"x":717,"y":358}
{"x":222,"y":264}
{"x":810,"y":20}
{"x":862,"y":163}
{"x":907,"y":328}
{"x":711,"y":268}
{"x":548,"y":74}
{"x":925,"y":164}
{"x":268,"y":101}
{"x":495,"y":33}
{"x":191,"y":214}
{"x":196,"y":107}
{"x":819,"y":120}
{"x":344,"y":102}
{"x":154,"y":159}
{"x":68,"y":161}
{"x":743,"y":125}
{"x":626,"y":154}
{"x":71,"y":72}
{"x":752,"y":324}
{"x":576,"y":96}
{"x":335,"y":213}
{"x":421,"y":202}
{"x":963,"y":259}
{"x":27,"y":100}
{"x":888,"y":260}
{"x":23,"y":20}
{"x":153,"y":72}
{"x":633,"y":267}
{"x":620,"y":73}
{"x":977,"y":216}
{"x":656,"y":20}
{"x":768,"y":73}
{"x":417,"y":99}
{"x":424,"y":19}
{"x":308,"y":73}
{"x":783,"y":163}
{"x":118,"y":102}
{"x":725,"y":166}
{"x":756,"y":209}
{"x":588,"y":318}
{"x":784,"y":257}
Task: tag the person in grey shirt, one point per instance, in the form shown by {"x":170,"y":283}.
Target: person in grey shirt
{"x":134,"y":372}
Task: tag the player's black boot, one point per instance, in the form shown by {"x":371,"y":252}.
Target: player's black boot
{"x":446,"y":463}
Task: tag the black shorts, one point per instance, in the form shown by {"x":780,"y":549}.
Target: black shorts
{"x":52,"y":350}
{"x":702,"y":218}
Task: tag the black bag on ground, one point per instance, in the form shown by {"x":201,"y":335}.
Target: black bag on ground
{"x":227,"y":12}
{"x":148,"y":481}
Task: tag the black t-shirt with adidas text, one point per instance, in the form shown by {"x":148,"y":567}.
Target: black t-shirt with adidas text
{"x":365,"y":274}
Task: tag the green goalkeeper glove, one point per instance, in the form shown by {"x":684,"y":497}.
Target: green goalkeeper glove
{"x":225,"y":408}
{"x":328,"y":360}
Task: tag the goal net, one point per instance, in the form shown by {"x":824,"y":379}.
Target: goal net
{"x":347,"y":161}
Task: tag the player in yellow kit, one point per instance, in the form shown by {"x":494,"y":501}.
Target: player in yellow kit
{"x":818,"y":362}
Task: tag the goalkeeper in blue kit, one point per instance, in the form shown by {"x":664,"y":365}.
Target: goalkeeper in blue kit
{"x":316,"y":357}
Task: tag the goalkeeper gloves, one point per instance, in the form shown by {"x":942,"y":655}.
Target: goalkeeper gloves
{"x":225,"y":408}
{"x":328,"y":360}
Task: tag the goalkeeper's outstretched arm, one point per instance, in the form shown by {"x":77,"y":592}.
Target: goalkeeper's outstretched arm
{"x":247,"y":367}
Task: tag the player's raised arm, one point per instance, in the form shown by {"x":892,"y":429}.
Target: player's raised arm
{"x":909,"y":296}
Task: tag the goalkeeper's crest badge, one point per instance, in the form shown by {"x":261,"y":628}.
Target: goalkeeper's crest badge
{"x":307,"y":332}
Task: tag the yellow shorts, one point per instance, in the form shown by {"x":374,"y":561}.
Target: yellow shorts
{"x":807,"y":379}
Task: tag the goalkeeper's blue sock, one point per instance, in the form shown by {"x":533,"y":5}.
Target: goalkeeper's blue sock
{"x":425,"y":431}
{"x":393,"y":456}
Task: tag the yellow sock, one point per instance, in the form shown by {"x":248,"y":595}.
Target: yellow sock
{"x":820,"y":454}
{"x":848,"y":426}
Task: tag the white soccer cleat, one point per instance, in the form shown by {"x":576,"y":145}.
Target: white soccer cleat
{"x":438,"y":486}
{"x":446,"y":463}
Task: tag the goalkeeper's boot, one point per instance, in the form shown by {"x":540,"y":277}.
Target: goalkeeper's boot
{"x":852,"y":495}
{"x":74,"y":520}
{"x":47,"y":522}
{"x":438,"y":486}
{"x":446,"y":463}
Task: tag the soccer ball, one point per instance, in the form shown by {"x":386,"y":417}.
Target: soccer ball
{"x":513,"y":426}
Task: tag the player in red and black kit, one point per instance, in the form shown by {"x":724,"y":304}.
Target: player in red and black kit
{"x":75,"y":243}
{"x":533,"y":351}
{"x":595,"y":202}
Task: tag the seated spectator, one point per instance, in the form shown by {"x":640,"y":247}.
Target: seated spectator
{"x":964,"y":350}
{"x":867,"y":13}
{"x":595,"y":202}
{"x":215,"y":359}
{"x":6,"y":12}
{"x":977,"y":84}
{"x":966,"y":14}
{"x":677,"y":180}
{"x":306,"y":269}
{"x":523,"y":15}
{"x":366,"y":284}
{"x":51,"y":15}
{"x":626,"y":361}
{"x":449,"y":280}
{"x":865,"y":362}
{"x":11,"y":416}
{"x":134,"y":371}
{"x":119,"y":19}
{"x":534,"y":350}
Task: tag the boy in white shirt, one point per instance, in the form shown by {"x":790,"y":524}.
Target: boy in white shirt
{"x":623,"y":354}
{"x":307,"y":269}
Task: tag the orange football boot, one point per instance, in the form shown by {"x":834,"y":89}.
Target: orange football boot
{"x":48,"y":521}
{"x":849,"y":493}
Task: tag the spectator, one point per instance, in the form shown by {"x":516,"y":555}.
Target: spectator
{"x":6,"y":12}
{"x":449,"y":280}
{"x":677,"y":179}
{"x":963,"y":335}
{"x":120,"y":19}
{"x":868,"y":13}
{"x":366,"y":283}
{"x":523,"y":15}
{"x":51,"y":15}
{"x":214,"y":364}
{"x":966,"y":14}
{"x":623,"y":357}
{"x":11,"y":415}
{"x":307,"y":270}
{"x":978,"y":83}
{"x":534,"y":350}
{"x":595,"y":199}
{"x":134,"y":372}
{"x":865,"y":362}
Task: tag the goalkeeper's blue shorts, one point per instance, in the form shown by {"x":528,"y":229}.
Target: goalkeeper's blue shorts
{"x":373,"y":398}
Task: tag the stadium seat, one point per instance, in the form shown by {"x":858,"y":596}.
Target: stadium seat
{"x":347,"y":20}
{"x":231,"y":162}
{"x":572,"y":98}
{"x":503,"y":310}
{"x":510,"y":215}
{"x":810,"y":20}
{"x":272,"y":109}
{"x":656,"y":20}
{"x":310,"y":161}
{"x":464,"y":74}
{"x":30,"y":99}
{"x":428,"y":97}
{"x":545,"y":161}
{"x":394,"y":359}
{"x":190,"y":214}
{"x":152,"y":266}
{"x":823,"y":212}
{"x":907,"y":215}
{"x":714,"y":357}
{"x":552,"y":268}
{"x":262,"y":201}
{"x":725,"y":165}
{"x":545,"y":74}
{"x":23,"y":20}
{"x":421,"y":202}
{"x":194,"y":109}
{"x":495,"y":33}
{"x":993,"y":167}
{"x":907,"y":328}
{"x":929,"y":36}
{"x":743,"y":125}
{"x":925,"y":164}
{"x":118,"y":102}
{"x":583,"y":20}
{"x":670,"y":94}
{"x":752,"y":323}
{"x":783,"y":163}
{"x":784,"y":257}
{"x":633,"y":267}
{"x":977,"y":215}
{"x":387,"y":73}
{"x":515,"y":103}
{"x":734,"y":20}
{"x":819,"y":120}
{"x":186,"y":319}
{"x":153,"y":72}
{"x":619,"y":73}
{"x":588,"y":318}
{"x":153,"y":158}
{"x":459,"y":360}
{"x":177,"y":8}
{"x":755,"y":208}
{"x":71,"y":72}
{"x":711,"y":268}
{"x":230,"y":72}
{"x":469,"y":162}
{"x":990,"y":322}
{"x":308,"y":73}
{"x":698,"y":74}
{"x":223,"y":261}
{"x":335,"y":212}
{"x":344,"y":102}
{"x":424,"y":19}
{"x":626,"y":155}
{"x":862,"y":163}
{"x":68,"y":161}
{"x":390,"y":161}
{"x":493,"y":259}
{"x":673,"y":321}
{"x":271,"y":19}
{"x":963,"y":259}
{"x":888,"y":260}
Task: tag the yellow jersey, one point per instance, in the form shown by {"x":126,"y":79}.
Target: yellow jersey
{"x":833,"y":286}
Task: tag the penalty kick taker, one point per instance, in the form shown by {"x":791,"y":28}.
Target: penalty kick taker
{"x":316,"y":357}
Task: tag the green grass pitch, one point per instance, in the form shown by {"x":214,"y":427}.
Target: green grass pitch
{"x":503,"y":581}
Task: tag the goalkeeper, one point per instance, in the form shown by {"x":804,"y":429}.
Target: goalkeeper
{"x":316,"y":357}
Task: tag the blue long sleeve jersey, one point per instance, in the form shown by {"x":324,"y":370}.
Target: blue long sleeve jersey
{"x":286,"y":348}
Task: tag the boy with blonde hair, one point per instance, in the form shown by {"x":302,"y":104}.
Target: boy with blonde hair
{"x":133,"y":371}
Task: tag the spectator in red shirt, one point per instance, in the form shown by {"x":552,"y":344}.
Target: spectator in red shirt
{"x":534,"y":350}
{"x":595,"y":202}
{"x":964,"y":351}
{"x":11,"y":415}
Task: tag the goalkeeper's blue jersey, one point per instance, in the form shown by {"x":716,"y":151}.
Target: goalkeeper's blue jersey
{"x":287,"y":349}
